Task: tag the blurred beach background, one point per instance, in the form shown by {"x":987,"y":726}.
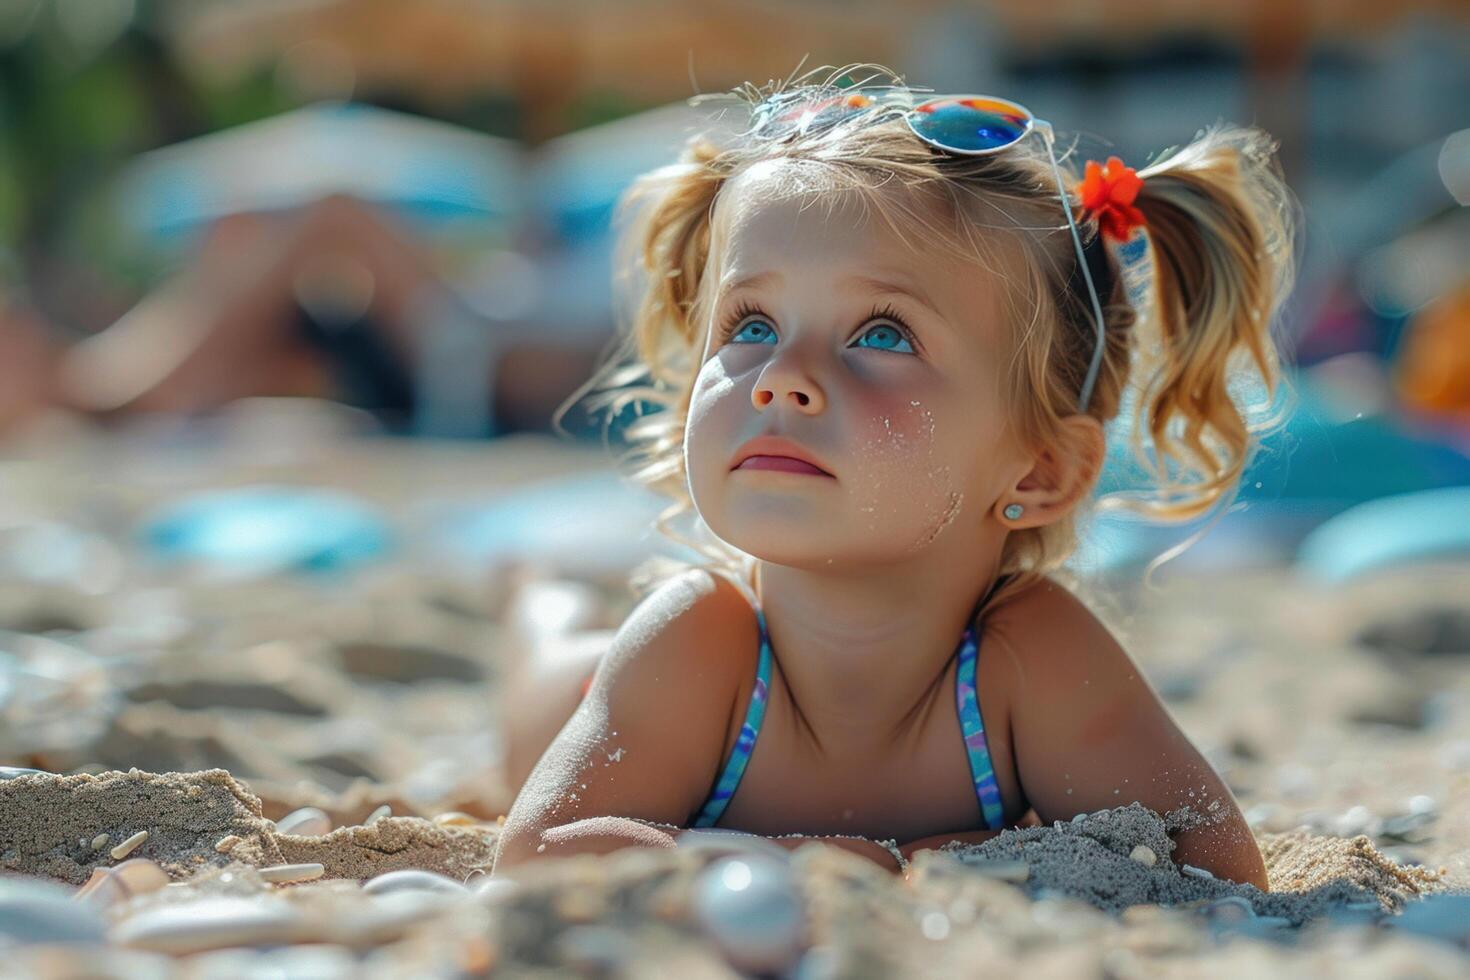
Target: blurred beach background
{"x":294,"y":294}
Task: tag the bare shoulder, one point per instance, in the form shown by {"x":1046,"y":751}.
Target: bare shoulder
{"x":690,"y":618}
{"x":1053,"y":638}
{"x":646,"y":742}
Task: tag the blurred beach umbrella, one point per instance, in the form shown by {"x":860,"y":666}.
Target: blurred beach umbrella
{"x":426,"y":169}
{"x":578,"y":177}
{"x":575,"y":182}
{"x":1325,"y":459}
{"x":1428,"y":526}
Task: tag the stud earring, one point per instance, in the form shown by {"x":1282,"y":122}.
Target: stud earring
{"x":1013,"y":511}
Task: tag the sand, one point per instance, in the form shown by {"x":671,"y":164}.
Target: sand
{"x":206,"y":710}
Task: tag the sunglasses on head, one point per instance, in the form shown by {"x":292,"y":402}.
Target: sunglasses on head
{"x":969,"y":125}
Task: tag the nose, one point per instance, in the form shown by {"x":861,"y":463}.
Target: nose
{"x":785,"y":381}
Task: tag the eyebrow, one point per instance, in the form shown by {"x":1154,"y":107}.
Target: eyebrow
{"x":872,"y":283}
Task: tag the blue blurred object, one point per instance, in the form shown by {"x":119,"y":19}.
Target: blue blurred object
{"x":577,"y":179}
{"x":593,"y":524}
{"x":429,"y":170}
{"x":1426,"y":526}
{"x":263,"y":530}
{"x":1316,"y":465}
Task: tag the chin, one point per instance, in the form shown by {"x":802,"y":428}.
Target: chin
{"x":772,"y":534}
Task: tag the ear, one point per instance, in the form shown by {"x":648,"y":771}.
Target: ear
{"x":1060,"y":476}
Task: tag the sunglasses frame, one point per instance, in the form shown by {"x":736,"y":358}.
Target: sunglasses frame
{"x":807,"y":113}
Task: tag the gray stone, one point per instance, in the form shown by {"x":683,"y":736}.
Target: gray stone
{"x":37,"y":911}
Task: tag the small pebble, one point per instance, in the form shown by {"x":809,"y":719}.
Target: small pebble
{"x":140,"y":876}
{"x":455,"y":818}
{"x":128,"y":846}
{"x":282,"y":873}
{"x":1420,"y":805}
{"x":383,"y":811}
{"x":1194,"y":872}
{"x":1144,"y":854}
{"x":412,"y":879}
{"x":181,"y":928}
{"x":309,"y":821}
{"x":99,"y":842}
{"x":227,"y":844}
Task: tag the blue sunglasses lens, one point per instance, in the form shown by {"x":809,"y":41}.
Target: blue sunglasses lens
{"x":970,"y":124}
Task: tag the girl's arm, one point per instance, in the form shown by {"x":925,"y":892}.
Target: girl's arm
{"x":1089,"y":733}
{"x":646,"y":741}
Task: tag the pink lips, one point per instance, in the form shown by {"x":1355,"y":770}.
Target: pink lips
{"x":773,"y":452}
{"x":783,"y":463}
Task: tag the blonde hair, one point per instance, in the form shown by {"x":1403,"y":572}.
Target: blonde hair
{"x":1222,"y":222}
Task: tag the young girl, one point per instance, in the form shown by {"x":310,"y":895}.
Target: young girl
{"x":887,"y":353}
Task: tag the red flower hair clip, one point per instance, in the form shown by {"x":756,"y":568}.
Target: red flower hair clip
{"x":1108,"y":192}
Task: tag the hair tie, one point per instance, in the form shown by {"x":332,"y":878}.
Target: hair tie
{"x":1107,"y":193}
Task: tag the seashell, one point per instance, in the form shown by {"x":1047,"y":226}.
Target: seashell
{"x":308,"y":821}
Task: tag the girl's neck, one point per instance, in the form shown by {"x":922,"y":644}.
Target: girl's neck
{"x":862,"y":653}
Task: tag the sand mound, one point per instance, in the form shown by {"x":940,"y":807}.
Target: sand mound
{"x":1090,"y":859}
{"x":51,"y":822}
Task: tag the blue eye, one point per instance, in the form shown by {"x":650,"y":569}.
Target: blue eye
{"x":888,"y":335}
{"x":737,"y":329}
{"x":762,"y":331}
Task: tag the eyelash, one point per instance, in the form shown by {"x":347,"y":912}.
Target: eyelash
{"x":884,"y":312}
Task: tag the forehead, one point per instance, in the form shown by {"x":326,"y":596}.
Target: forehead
{"x":772,"y":216}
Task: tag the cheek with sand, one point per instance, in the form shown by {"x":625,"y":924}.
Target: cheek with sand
{"x":901,"y":487}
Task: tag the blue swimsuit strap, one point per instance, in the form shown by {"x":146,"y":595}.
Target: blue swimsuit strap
{"x":967,"y":679}
{"x":745,"y":744}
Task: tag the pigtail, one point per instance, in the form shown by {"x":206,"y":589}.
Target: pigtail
{"x":662,"y":233}
{"x":1223,"y":226}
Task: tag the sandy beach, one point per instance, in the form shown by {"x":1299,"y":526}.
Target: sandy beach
{"x":295,"y":772}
